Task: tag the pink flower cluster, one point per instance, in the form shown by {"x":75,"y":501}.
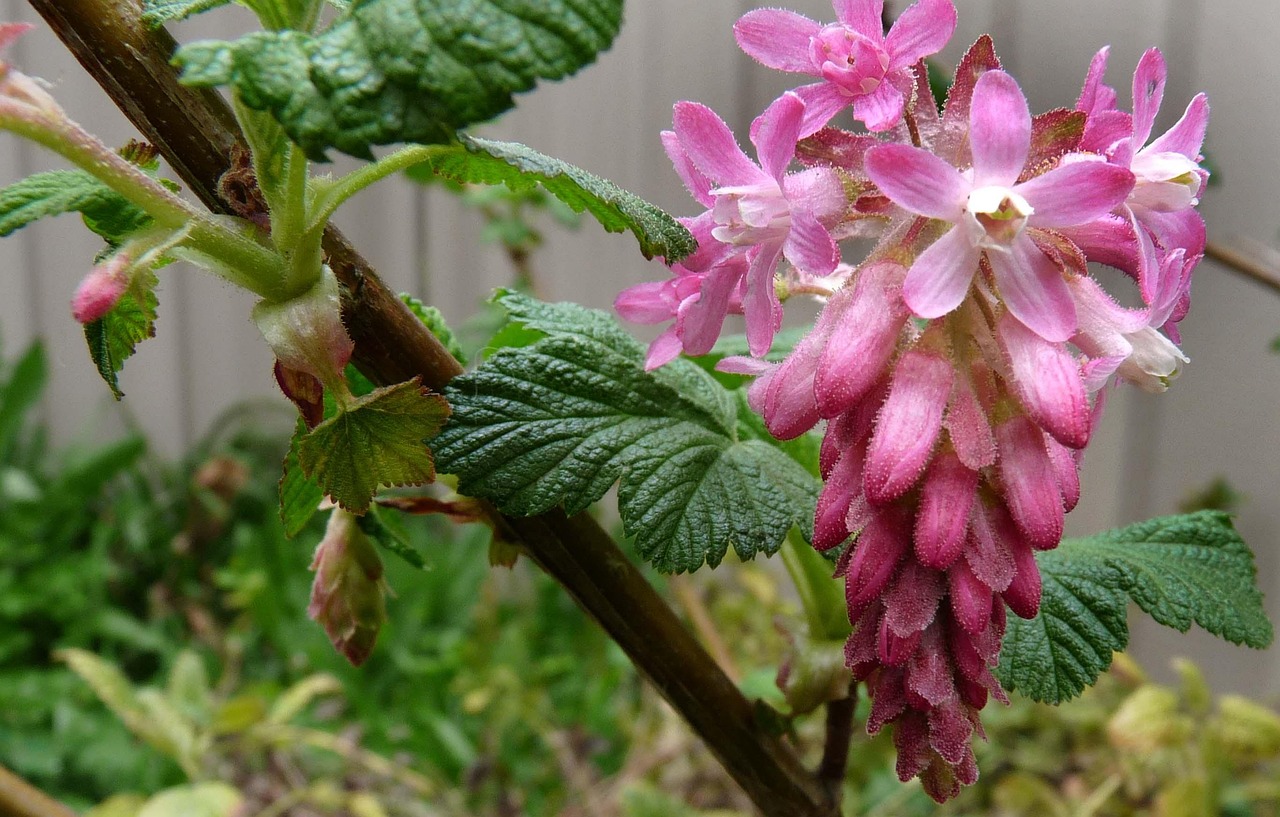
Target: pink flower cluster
{"x":959,"y":367}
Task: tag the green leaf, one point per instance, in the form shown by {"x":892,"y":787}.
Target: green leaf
{"x":114,"y":337}
{"x":558,"y":422}
{"x":377,"y":529}
{"x":521,"y":168}
{"x":1182,"y":570}
{"x":20,"y":393}
{"x":156,"y":13}
{"x":404,"y":70}
{"x":378,"y":440}
{"x":433,"y":319}
{"x":299,"y":496}
{"x":105,"y":211}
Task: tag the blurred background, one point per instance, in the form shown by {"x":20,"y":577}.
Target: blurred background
{"x":1151,"y":455}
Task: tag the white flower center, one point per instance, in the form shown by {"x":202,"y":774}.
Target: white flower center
{"x":998,"y":215}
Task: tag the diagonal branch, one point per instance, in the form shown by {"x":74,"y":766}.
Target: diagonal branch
{"x":18,"y":798}
{"x":196,"y":132}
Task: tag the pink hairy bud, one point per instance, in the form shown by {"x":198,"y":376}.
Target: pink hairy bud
{"x":1030,"y":483}
{"x":1023,"y":594}
{"x":102,"y":288}
{"x":971,"y":598}
{"x":876,"y":555}
{"x":908,"y":426}
{"x":943,"y":516}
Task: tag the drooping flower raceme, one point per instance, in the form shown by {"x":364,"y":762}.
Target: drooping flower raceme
{"x":956,"y":372}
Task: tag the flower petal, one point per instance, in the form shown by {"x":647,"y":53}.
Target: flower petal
{"x":943,"y":518}
{"x":1096,"y":96}
{"x":699,"y":320}
{"x":921,"y":30}
{"x":760,"y":304}
{"x":881,"y":109}
{"x":864,"y":16}
{"x":1030,"y":483}
{"x":809,"y":246}
{"x":1148,"y":93}
{"x":867,"y":320}
{"x":1000,"y":130}
{"x":777,"y":38}
{"x":711,"y":147}
{"x":647,"y":303}
{"x":698,"y":185}
{"x":822,"y":100}
{"x":1187,"y":136}
{"x":775,"y":133}
{"x":919,"y":181}
{"x":1031,"y":286}
{"x":664,"y":349}
{"x":939,"y":279}
{"x":1075,"y":192}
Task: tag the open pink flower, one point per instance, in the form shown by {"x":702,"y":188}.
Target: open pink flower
{"x":859,"y":65}
{"x":760,"y":210}
{"x":992,"y":213}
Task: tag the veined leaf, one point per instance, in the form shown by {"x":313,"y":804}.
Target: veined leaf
{"x":105,"y":211}
{"x":114,"y":337}
{"x":377,"y":441}
{"x":156,"y":13}
{"x":300,"y":496}
{"x":404,"y":70}
{"x":1182,"y":570}
{"x":521,"y":168}
{"x":558,"y":422}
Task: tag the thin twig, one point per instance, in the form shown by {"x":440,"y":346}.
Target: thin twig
{"x":1233,"y":256}
{"x":835,"y":748}
{"x":18,"y":798}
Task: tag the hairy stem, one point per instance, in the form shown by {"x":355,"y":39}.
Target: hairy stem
{"x":196,"y":132}
{"x":331,"y":194}
{"x":18,"y":798}
{"x":1248,"y":264}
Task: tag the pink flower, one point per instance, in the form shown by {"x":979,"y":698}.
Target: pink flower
{"x":992,"y":213}
{"x":1167,"y":173}
{"x":859,"y":65}
{"x":103,"y":287}
{"x":759,"y":210}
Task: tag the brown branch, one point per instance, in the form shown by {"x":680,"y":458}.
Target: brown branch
{"x":18,"y":798}
{"x":195,"y":132}
{"x":1233,"y":256}
{"x":835,"y":748}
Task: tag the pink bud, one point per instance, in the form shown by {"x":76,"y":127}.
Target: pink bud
{"x":888,"y":699}
{"x":1023,"y":595}
{"x":1048,"y":382}
{"x":876,"y":555}
{"x":989,"y":546}
{"x":950,"y":729}
{"x":943,"y":516}
{"x":911,"y":739}
{"x":930,"y":675}
{"x":102,"y":288}
{"x":908,"y":426}
{"x":894,"y":650}
{"x":970,"y":431}
{"x":1067,"y":469}
{"x":970,"y":598}
{"x":912,"y":601}
{"x":868,"y":320}
{"x":843,"y":483}
{"x":1030,"y":483}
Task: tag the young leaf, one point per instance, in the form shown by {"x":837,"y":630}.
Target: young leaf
{"x":1179,"y":569}
{"x":434,"y":320}
{"x":114,"y":337}
{"x":299,"y":496}
{"x":105,"y":211}
{"x":558,"y":422}
{"x":404,"y":70}
{"x":521,"y":168}
{"x":390,"y":538}
{"x":377,"y":441}
{"x":156,"y":13}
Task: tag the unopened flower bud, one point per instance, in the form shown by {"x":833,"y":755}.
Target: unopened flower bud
{"x":102,"y":288}
{"x":348,"y":596}
{"x":306,"y":332}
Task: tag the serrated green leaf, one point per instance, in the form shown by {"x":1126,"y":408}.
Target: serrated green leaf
{"x":156,"y":13}
{"x":558,"y":422}
{"x":299,"y":496}
{"x":404,"y":70}
{"x":433,"y":319}
{"x":521,"y":168}
{"x":378,"y":440}
{"x":105,"y":211}
{"x":114,"y":337}
{"x":1181,"y":570}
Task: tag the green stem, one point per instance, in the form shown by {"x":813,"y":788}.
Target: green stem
{"x":821,"y":597}
{"x":327,"y":196}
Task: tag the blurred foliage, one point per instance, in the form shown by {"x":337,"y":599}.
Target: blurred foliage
{"x":156,"y":660}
